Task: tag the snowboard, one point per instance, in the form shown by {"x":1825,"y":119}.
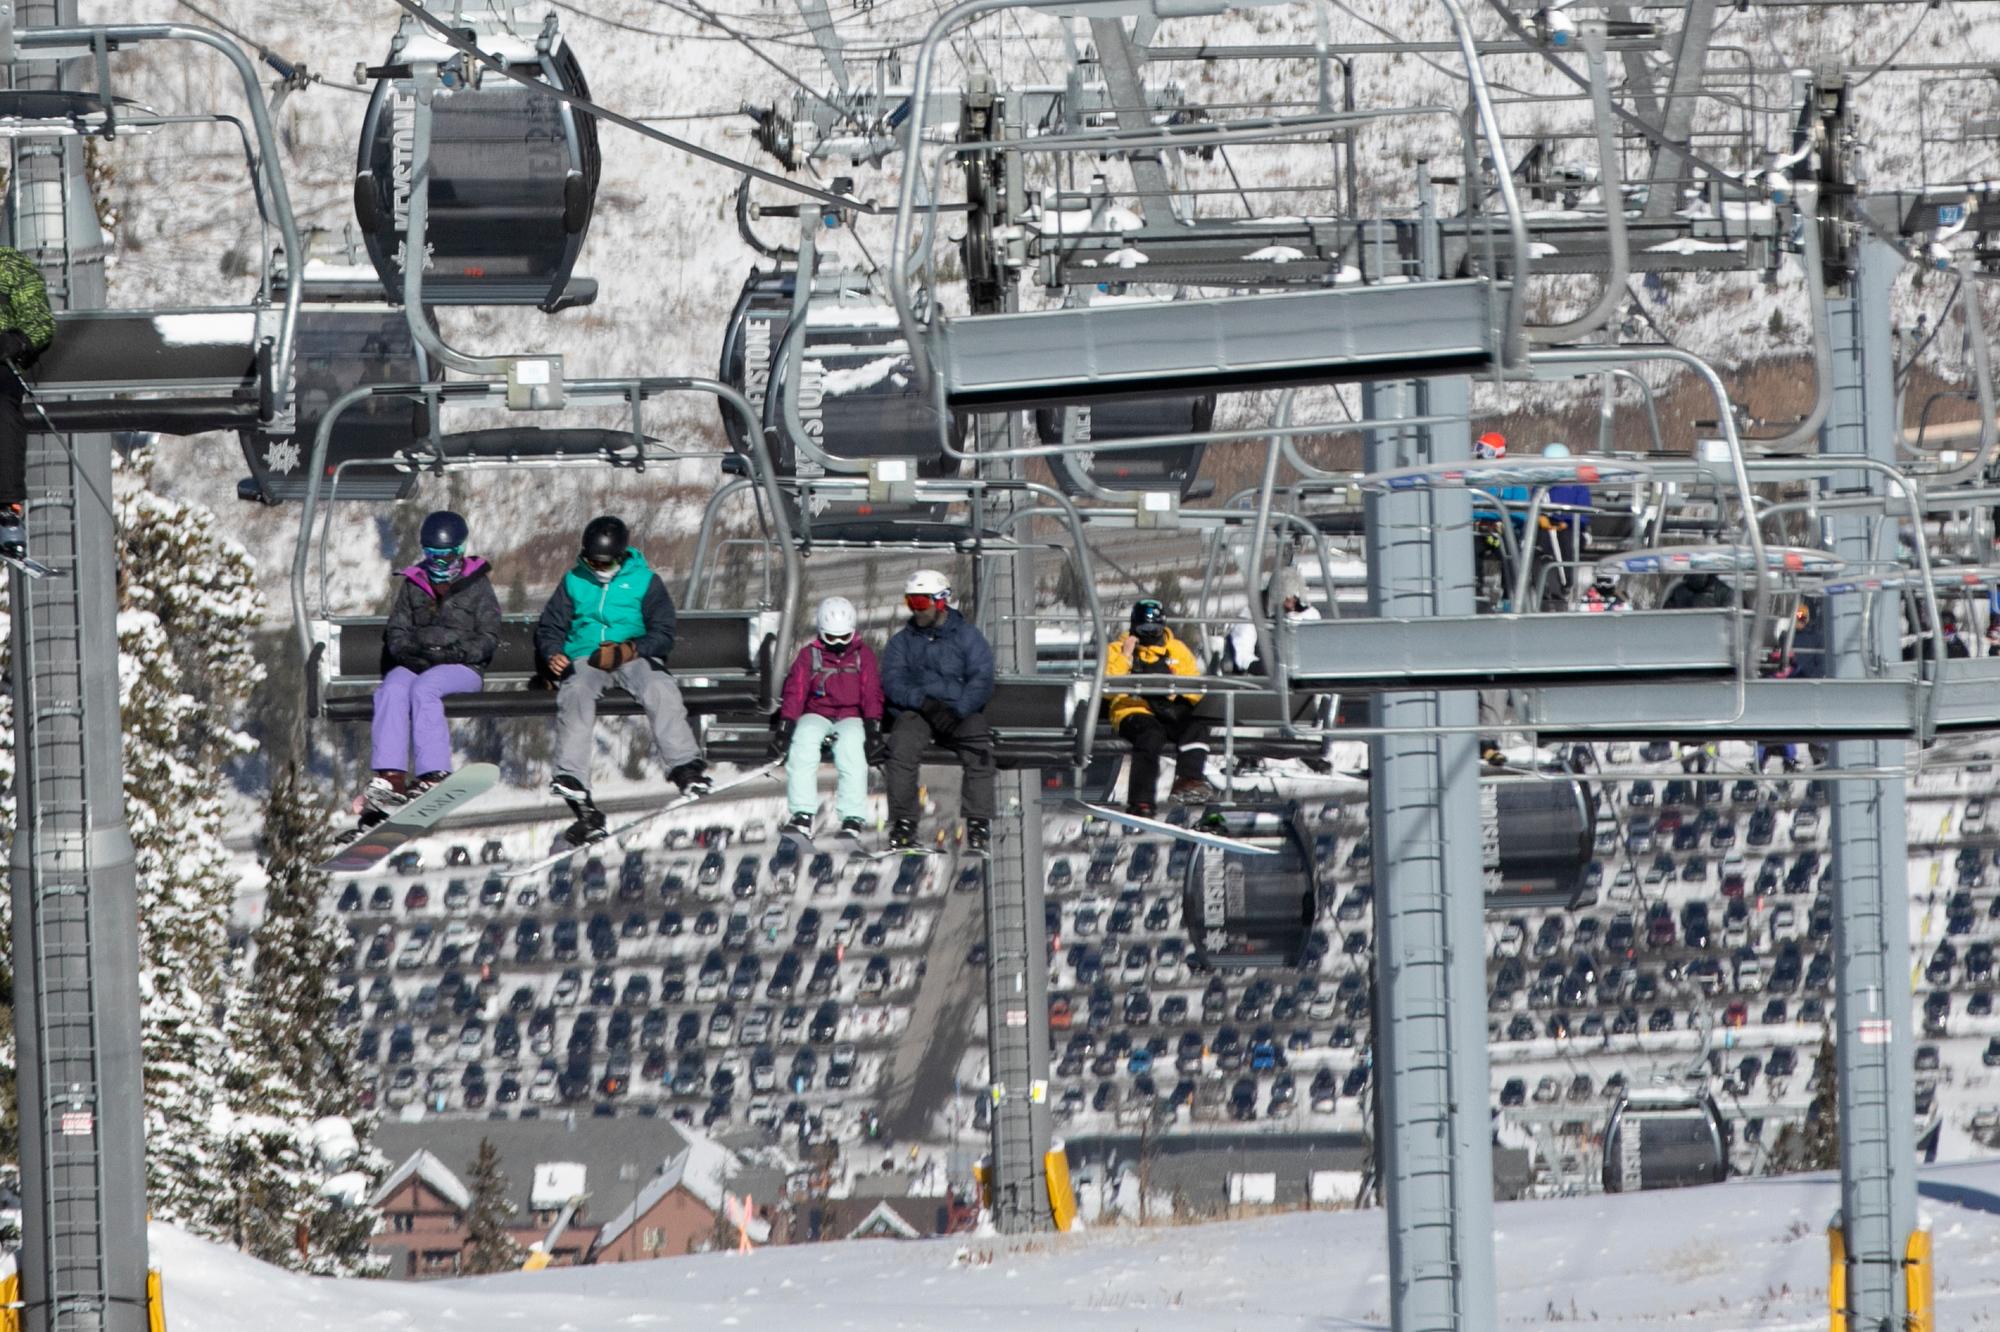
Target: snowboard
{"x":1165,"y":829}
{"x":624,"y":830}
{"x":367,"y":848}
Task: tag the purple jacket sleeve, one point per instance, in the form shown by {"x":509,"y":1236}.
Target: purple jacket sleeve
{"x":792,"y":705}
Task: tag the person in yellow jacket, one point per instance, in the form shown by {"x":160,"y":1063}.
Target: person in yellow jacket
{"x":1151,"y":722}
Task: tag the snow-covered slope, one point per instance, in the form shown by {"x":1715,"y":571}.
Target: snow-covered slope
{"x":1741,"y":1257}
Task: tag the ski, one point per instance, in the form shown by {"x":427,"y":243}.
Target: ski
{"x":411,"y":821}
{"x":28,"y":565}
{"x":888,"y":851}
{"x":1165,"y":829}
{"x":626,"y":829}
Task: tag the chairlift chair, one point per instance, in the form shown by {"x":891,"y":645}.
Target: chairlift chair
{"x":173,"y":371}
{"x":513,"y":171}
{"x":1168,"y":467}
{"x":342,"y":345}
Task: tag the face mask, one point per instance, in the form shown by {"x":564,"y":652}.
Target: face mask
{"x":1151,"y":635}
{"x":602,"y":575}
{"x":441,"y":565}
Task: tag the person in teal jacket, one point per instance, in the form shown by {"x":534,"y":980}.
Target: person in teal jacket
{"x":611,"y":621}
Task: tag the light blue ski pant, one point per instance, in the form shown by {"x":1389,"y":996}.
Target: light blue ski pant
{"x":850,"y":761}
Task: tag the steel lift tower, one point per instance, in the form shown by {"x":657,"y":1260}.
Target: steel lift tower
{"x":1871,"y":921}
{"x":1017,"y":979}
{"x":76,"y":930}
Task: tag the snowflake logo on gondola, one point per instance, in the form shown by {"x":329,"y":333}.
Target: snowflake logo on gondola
{"x":282,"y":456}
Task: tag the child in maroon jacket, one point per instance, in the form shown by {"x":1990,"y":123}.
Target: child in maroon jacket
{"x":834,"y":687}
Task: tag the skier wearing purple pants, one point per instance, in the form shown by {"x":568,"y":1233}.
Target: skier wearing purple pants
{"x":442,"y":634}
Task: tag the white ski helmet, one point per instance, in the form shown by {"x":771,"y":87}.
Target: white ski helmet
{"x":928,"y":583}
{"x":835,"y":617}
{"x":1557,"y":450}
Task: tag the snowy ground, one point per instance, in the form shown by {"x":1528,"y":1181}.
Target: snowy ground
{"x":1732,"y":1258}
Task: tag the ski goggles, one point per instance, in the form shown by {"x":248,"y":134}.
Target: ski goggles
{"x":836,"y":641}
{"x":443,"y":552}
{"x":923,"y":601}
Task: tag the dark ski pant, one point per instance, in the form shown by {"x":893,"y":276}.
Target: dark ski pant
{"x":13,"y":442}
{"x":970,"y":737}
{"x":1149,"y":735}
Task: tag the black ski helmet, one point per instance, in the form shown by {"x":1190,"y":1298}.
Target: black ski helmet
{"x":1148,"y":614}
{"x":606,"y":539}
{"x":443,"y":530}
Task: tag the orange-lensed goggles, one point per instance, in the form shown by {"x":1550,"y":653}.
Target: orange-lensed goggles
{"x":923,"y":601}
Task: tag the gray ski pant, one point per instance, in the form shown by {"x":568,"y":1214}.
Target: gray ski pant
{"x":576,"y":714}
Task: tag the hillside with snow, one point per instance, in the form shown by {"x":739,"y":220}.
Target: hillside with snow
{"x":665,"y":250}
{"x":1748,"y":1256}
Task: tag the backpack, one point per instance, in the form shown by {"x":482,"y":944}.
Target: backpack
{"x":848,"y":664}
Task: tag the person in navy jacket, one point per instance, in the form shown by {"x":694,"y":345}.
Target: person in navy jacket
{"x":937,"y":676}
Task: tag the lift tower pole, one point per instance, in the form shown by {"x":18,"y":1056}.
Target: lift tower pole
{"x":1017,"y":969}
{"x":1871,"y":896}
{"x":1435,"y":1155}
{"x":75,"y":947}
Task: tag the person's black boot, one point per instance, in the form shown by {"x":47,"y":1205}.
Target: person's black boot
{"x":978,"y":836}
{"x":903,"y":835}
{"x":692,"y":778}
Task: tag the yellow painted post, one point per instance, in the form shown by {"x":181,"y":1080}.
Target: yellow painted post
{"x":156,"y":1302}
{"x":1918,"y":1280}
{"x":1062,"y":1195}
{"x":982,"y":1174}
{"x":1836,"y":1279}
{"x":10,"y":1296}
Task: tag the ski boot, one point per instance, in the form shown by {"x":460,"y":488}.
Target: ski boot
{"x":692,"y":778}
{"x":978,"y":836}
{"x":1192,"y":791}
{"x":852,"y":827}
{"x":424,"y":781}
{"x":384,"y":795}
{"x":800,"y":825}
{"x":1141,"y":809}
{"x":903,"y":835}
{"x":590,"y":825}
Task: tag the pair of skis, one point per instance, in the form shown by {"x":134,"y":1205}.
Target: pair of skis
{"x":621,"y":834}
{"x":420,"y":815}
{"x":852,"y":841}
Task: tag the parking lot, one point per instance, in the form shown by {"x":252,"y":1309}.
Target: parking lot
{"x":719,"y":978}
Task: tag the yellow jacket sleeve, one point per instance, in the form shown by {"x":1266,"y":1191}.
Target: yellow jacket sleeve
{"x":1180,"y":660}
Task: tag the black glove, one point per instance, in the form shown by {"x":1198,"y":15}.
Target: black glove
{"x":873,"y":743}
{"x":781,"y":739}
{"x":14,"y":346}
{"x":1171,"y":711}
{"x":939,"y":714}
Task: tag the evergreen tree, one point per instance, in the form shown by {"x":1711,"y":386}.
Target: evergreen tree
{"x":188,"y":605}
{"x":298,"y":1166}
{"x":1815,"y":1143}
{"x":489,"y":1246}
